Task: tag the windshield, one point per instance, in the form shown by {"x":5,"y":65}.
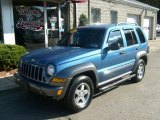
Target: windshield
{"x":86,"y":38}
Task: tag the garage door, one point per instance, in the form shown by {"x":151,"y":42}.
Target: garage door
{"x":147,"y":27}
{"x":133,"y":19}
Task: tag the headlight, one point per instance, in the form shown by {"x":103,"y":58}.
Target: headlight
{"x":50,"y":70}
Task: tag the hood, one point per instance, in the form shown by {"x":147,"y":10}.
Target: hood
{"x":59,"y":55}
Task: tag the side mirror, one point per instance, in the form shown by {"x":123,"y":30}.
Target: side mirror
{"x":107,"y":47}
{"x":114,"y":46}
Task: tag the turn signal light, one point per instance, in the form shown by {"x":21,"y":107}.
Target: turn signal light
{"x":59,"y":92}
{"x":58,"y":80}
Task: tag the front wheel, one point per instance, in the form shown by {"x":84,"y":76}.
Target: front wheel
{"x":80,"y":94}
{"x":140,"y":71}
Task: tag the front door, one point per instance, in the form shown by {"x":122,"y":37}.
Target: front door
{"x":55,"y":23}
{"x":113,"y":61}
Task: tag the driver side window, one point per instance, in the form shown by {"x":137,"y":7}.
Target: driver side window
{"x":115,"y":37}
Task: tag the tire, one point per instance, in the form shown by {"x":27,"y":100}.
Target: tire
{"x":80,"y":94}
{"x":140,"y":71}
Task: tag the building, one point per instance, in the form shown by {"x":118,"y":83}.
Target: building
{"x":119,"y":11}
{"x":41,"y":23}
{"x":32,"y":23}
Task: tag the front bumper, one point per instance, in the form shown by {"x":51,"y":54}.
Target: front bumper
{"x":39,"y":88}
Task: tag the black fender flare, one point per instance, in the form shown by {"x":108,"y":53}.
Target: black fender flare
{"x":139,"y":55}
{"x":72,"y":71}
{"x":77,"y":69}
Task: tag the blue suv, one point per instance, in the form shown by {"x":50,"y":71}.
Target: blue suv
{"x":87,"y":59}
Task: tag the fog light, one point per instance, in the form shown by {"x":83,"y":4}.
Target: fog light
{"x":59,"y":92}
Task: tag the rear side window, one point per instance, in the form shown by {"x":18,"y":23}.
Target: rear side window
{"x":130,"y":37}
{"x":141,"y":35}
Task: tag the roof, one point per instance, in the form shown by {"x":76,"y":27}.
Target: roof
{"x":107,"y":26}
{"x":135,"y":3}
{"x":98,"y":26}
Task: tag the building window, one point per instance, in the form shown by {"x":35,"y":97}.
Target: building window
{"x":29,"y":23}
{"x":133,"y":19}
{"x":1,"y":28}
{"x":30,"y":20}
{"x":95,"y":15}
{"x":113,"y":17}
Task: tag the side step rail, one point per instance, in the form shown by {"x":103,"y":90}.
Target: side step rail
{"x":112,"y":85}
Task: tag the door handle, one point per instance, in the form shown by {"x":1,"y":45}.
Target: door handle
{"x":137,"y":48}
{"x":122,"y":52}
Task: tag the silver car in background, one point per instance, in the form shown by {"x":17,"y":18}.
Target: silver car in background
{"x":158,"y":29}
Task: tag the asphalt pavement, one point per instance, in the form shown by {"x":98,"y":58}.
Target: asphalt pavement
{"x":7,"y":83}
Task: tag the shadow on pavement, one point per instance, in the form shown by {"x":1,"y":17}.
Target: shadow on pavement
{"x":19,"y":105}
{"x":98,"y":93}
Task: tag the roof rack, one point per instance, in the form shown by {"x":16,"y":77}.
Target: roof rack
{"x":125,"y":23}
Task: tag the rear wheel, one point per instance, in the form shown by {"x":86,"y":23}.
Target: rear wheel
{"x":80,"y":94}
{"x":140,"y":71}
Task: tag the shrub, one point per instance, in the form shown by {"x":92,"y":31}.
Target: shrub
{"x":10,"y":55}
{"x":83,"y":20}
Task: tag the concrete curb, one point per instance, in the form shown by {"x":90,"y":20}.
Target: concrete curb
{"x":6,"y":76}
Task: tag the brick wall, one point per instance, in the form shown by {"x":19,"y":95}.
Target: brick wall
{"x":106,"y":7}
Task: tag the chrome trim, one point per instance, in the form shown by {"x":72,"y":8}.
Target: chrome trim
{"x":118,"y":68}
{"x":31,"y":71}
{"x":116,"y":83}
{"x":125,"y":64}
{"x":113,"y":79}
{"x":38,"y":73}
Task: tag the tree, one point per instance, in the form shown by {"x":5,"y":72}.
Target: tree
{"x":154,"y":3}
{"x":83,"y":20}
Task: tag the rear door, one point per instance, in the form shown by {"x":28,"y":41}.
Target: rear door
{"x":132,"y":47}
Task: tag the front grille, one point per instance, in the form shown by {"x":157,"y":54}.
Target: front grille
{"x":31,"y":71}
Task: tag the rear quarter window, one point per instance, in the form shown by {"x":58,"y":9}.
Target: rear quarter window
{"x":141,"y":35}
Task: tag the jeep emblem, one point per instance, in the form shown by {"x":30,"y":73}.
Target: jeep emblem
{"x":33,"y":60}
